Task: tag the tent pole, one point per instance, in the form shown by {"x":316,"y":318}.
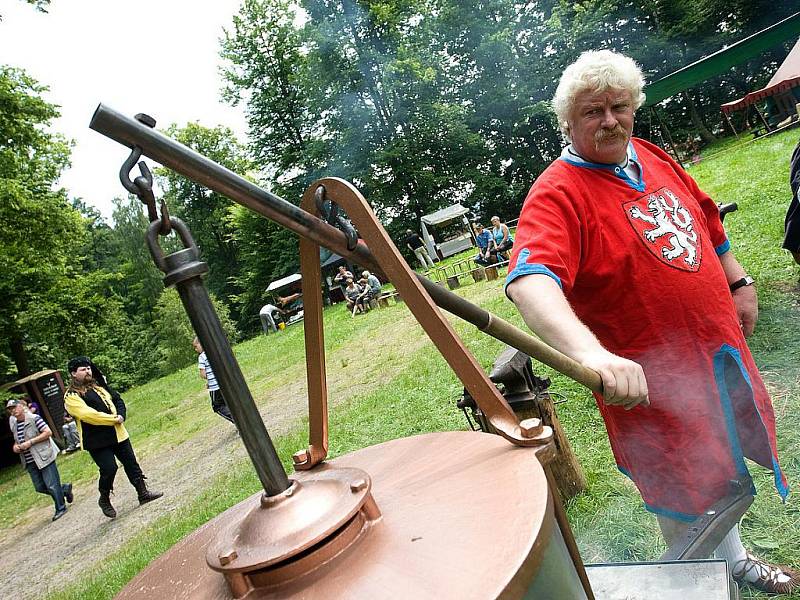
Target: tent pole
{"x":728,"y":119}
{"x":763,"y":120}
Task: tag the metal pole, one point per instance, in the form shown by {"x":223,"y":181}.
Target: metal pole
{"x":187,"y":162}
{"x":185,"y":271}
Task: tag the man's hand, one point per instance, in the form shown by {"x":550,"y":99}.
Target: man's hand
{"x":16,"y":448}
{"x":120,"y":419}
{"x":547,"y":312}
{"x":624,"y":383}
{"x":746,"y":303}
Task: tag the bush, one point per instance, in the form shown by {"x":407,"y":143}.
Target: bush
{"x":174,"y":333}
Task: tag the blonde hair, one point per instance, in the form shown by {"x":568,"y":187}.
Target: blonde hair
{"x":596,"y":71}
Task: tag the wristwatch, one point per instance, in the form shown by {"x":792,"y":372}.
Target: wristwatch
{"x":746,"y":280}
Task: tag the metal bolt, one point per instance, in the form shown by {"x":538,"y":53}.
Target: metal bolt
{"x":530,"y":427}
{"x":358,"y":485}
{"x":300,"y":457}
{"x":227,"y":557}
{"x":146,"y":120}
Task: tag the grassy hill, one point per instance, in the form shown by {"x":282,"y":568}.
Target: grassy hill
{"x":387,"y":381}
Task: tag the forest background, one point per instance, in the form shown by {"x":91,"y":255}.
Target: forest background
{"x":420,"y":103}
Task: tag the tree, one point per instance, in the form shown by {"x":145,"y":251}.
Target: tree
{"x":98,"y":250}
{"x":266,"y":252}
{"x":267,"y":71}
{"x":138,"y":282}
{"x":421,"y":103}
{"x":40,"y":5}
{"x":40,"y":233}
{"x":174,"y":332}
{"x":207,"y":213}
{"x":354,"y":93}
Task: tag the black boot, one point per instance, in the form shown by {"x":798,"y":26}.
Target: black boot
{"x":145,"y":495}
{"x":68,"y":495}
{"x":105,"y":504}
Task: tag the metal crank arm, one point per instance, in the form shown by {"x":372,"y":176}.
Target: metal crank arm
{"x":530,"y":432}
{"x":705,"y":533}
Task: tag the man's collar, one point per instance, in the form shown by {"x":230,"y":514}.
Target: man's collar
{"x":631,"y":164}
{"x":570,"y":155}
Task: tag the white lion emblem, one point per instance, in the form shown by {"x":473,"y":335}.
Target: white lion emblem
{"x":672,"y":219}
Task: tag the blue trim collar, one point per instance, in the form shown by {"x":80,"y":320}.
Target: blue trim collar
{"x":614,"y":169}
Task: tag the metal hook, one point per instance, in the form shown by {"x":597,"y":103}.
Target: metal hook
{"x":331,"y":215}
{"x":127,"y":167}
{"x":142,"y":185}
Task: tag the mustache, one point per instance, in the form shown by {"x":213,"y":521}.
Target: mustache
{"x":605,"y":135}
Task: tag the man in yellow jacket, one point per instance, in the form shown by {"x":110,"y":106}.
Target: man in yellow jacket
{"x":100,"y":413}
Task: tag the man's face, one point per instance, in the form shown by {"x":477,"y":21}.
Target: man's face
{"x":82,"y":375}
{"x":600,"y":125}
{"x":197,"y":347}
{"x":18,"y":411}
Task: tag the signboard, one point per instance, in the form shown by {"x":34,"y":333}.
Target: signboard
{"x":51,"y":391}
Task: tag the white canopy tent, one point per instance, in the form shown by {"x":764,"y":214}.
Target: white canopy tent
{"x":453,"y":243}
{"x":283,"y":282}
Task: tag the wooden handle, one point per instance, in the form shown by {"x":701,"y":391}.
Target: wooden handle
{"x":536,"y":348}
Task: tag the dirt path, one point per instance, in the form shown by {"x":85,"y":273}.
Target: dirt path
{"x":63,"y":551}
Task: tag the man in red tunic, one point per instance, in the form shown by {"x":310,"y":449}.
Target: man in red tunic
{"x":622,"y":263}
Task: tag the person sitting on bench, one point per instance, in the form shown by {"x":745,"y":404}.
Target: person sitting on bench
{"x":486,"y":244}
{"x":502,"y":239}
{"x":354,"y":296}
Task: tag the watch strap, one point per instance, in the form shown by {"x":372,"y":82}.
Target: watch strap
{"x":744,"y":281}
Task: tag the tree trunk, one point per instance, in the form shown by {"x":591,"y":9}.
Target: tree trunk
{"x":565,"y":467}
{"x":697,"y":122}
{"x":19,"y":355}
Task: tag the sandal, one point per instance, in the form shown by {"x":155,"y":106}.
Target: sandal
{"x":767,"y":576}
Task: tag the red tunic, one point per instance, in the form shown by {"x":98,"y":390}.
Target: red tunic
{"x":638,"y":262}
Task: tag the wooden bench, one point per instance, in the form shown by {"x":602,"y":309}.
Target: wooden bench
{"x":383,"y":299}
{"x":478,"y":274}
{"x":492,"y":271}
{"x":450,"y":274}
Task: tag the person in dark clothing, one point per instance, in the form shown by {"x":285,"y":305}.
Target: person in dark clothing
{"x":100,"y":412}
{"x":417,"y":246}
{"x":485,"y":246}
{"x":342,"y":276}
{"x":791,"y":241}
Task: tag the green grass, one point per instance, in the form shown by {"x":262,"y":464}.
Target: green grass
{"x":414,"y":392}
